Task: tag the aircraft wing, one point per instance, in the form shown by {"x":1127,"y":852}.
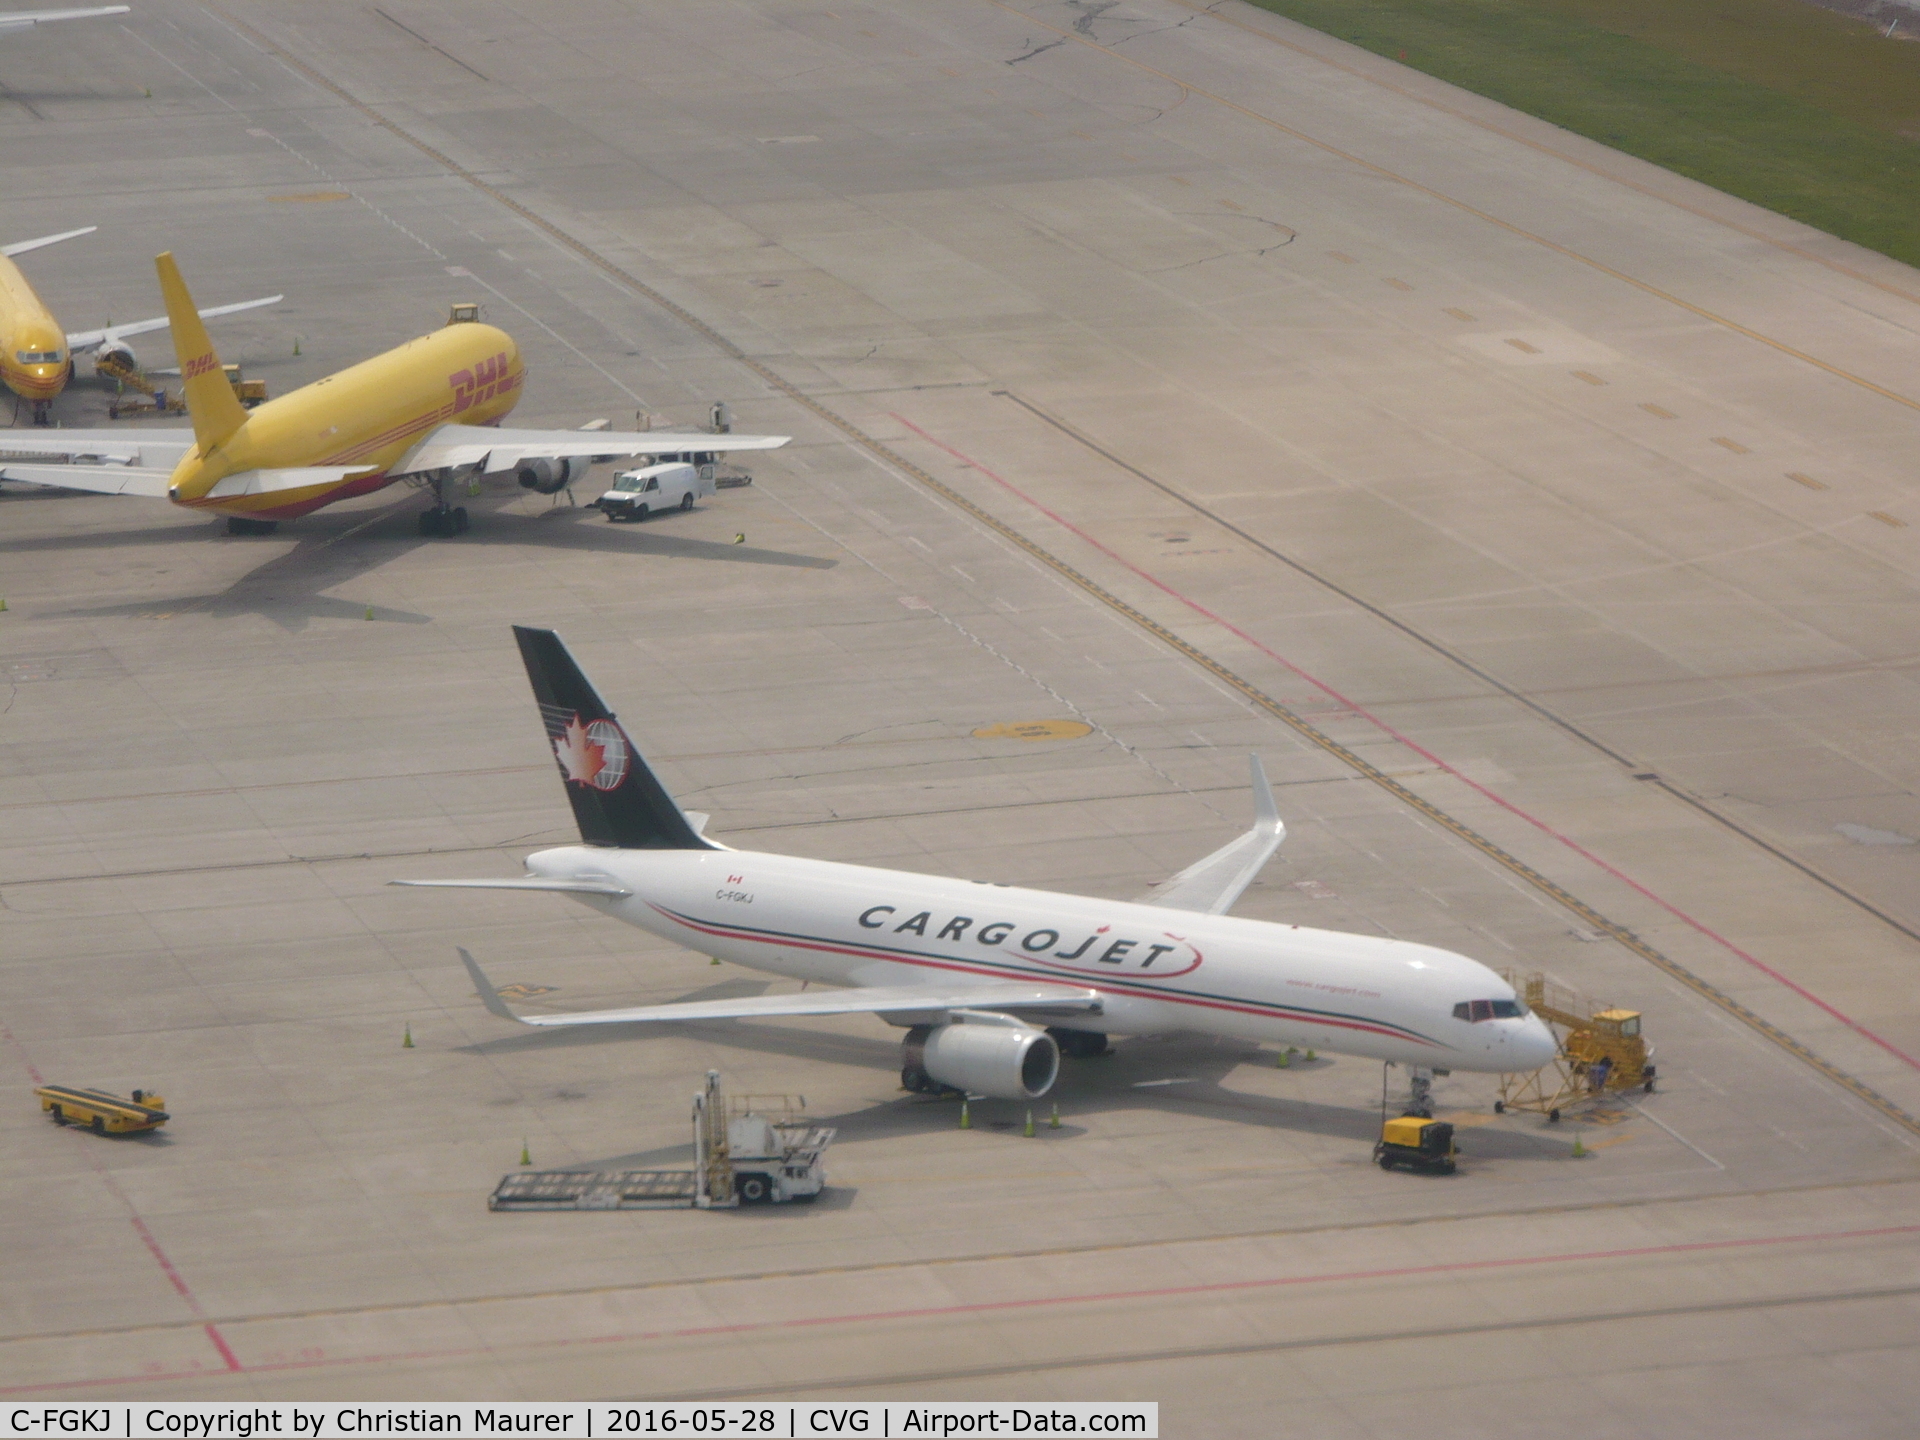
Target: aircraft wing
{"x":82,"y":341}
{"x":100,"y":479}
{"x":492,"y":448}
{"x":21,"y":247}
{"x":22,"y":19}
{"x":860,"y":1000}
{"x":1213,"y":884}
{"x":157,"y":448}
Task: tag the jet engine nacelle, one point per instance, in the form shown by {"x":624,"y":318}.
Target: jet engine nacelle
{"x":993,"y":1055}
{"x":549,"y":477}
{"x":116,"y":361}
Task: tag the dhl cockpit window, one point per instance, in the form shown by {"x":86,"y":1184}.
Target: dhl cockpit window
{"x":38,"y":357}
{"x":1489,"y":1010}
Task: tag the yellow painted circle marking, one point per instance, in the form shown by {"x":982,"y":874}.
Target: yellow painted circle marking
{"x":1033,"y":730}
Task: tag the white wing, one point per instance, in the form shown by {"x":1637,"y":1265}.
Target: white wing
{"x":1213,"y":884}
{"x":157,"y":448}
{"x":101,"y":479}
{"x":874,"y":999}
{"x":21,"y":247}
{"x":453,"y":447}
{"x":21,"y":19}
{"x":85,"y":340}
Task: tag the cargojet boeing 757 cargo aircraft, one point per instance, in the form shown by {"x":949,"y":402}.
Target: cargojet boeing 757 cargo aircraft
{"x":428,"y":411}
{"x":991,"y":982}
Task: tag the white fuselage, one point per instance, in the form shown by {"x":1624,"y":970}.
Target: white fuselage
{"x":1156,"y":969}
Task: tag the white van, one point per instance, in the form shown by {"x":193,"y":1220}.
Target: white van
{"x":637,"y":494}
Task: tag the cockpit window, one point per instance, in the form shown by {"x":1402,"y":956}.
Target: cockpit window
{"x":37,"y":357}
{"x":1489,"y":1010}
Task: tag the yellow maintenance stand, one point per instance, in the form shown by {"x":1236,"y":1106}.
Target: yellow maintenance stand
{"x":1602,"y":1052}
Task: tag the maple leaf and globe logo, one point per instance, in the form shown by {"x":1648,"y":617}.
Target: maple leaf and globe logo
{"x":593,"y":754}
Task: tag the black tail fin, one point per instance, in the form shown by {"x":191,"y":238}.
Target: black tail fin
{"x":616,"y":800}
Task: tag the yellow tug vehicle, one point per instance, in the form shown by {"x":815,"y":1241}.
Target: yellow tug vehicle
{"x":102,"y":1113}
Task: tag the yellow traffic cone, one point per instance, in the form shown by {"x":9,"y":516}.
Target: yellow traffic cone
{"x":369,"y":612}
{"x":740,"y":538}
{"x":1311,"y":1057}
{"x":526,"y":1157}
{"x":1054,"y":1122}
{"x":966,"y":1116}
{"x":1283,"y":1060}
{"x":1028,"y":1132}
{"x":296,"y":344}
{"x":1580,"y":1151}
{"x":407,"y":1043}
{"x":716,"y":959}
{"x":3,"y":602}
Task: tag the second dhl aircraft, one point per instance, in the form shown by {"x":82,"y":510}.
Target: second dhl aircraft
{"x":37,"y":355}
{"x":428,"y":410}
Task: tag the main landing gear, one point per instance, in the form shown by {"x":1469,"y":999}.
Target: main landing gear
{"x":443,"y":519}
{"x":1079,"y":1044}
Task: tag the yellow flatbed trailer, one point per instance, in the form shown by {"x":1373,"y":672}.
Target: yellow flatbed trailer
{"x":102,"y":1113}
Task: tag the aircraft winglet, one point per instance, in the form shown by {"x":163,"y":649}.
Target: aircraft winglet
{"x":489,"y":996}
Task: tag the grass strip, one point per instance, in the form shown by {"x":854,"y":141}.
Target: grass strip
{"x":1798,"y":109}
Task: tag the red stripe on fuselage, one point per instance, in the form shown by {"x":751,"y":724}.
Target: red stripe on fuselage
{"x":1264,"y":1009}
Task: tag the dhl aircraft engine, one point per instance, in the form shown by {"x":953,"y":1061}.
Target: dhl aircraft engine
{"x":1000,"y":1057}
{"x":550,"y":477}
{"x":114,"y":358}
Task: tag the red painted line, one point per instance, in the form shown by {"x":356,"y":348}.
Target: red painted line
{"x":220,"y":1344}
{"x":1423,"y":752}
{"x":934,"y":1312}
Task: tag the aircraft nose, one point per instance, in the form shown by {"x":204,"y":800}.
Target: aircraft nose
{"x":1535,"y":1044}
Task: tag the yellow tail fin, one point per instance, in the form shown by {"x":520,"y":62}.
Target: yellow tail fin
{"x":215,"y":411}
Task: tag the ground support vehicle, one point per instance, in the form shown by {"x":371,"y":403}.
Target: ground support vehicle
{"x":651,"y":489}
{"x":1602,"y":1053}
{"x":1417,"y":1143}
{"x":102,"y":1113}
{"x":752,"y":1150}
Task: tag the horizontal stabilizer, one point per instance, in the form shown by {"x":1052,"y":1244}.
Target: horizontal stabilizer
{"x":455,"y":447}
{"x":1213,"y":884}
{"x":85,"y":340}
{"x":21,"y":247}
{"x":529,"y":882}
{"x":100,"y":479}
{"x":861,"y":1000}
{"x":272,"y":482}
{"x":157,"y":448}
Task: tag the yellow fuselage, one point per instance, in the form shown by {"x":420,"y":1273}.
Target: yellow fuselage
{"x":33,"y":360}
{"x":369,"y":414}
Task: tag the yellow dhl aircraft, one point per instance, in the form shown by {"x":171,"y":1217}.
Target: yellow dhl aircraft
{"x":36,"y":355}
{"x":427,"y":411}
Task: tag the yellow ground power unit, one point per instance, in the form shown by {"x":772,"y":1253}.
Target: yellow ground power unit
{"x":1417,"y":1143}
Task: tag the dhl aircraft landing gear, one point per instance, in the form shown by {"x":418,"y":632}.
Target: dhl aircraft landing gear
{"x":43,"y":412}
{"x":442,"y":519}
